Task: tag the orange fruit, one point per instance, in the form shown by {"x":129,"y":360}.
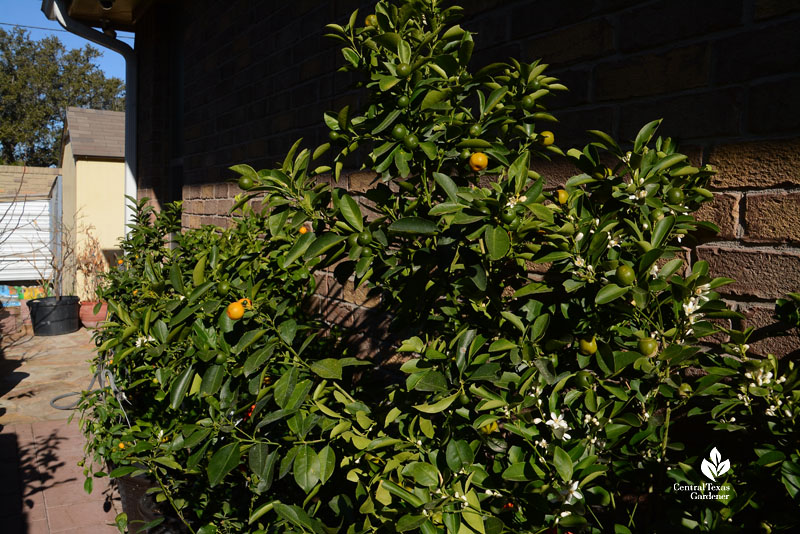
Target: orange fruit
{"x":563,"y":196}
{"x":303,"y":230}
{"x":121,"y":445}
{"x":478,"y":161}
{"x":120,"y":261}
{"x":547,"y":138}
{"x":371,"y":20}
{"x":245,"y":302}
{"x":235,"y":310}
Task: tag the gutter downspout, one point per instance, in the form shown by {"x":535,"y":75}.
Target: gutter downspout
{"x":56,"y":10}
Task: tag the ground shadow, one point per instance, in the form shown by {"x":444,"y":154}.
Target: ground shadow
{"x":9,"y":376}
{"x":27,"y":470}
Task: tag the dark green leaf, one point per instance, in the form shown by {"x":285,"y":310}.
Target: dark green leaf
{"x":414,"y":226}
{"x":306,"y":468}
{"x":423,"y":473}
{"x":497,"y":242}
{"x":351,"y":212}
{"x":222,"y":462}
{"x":212,"y":380}
{"x":563,"y":464}
{"x":328,"y":368}
{"x":458,"y":455}
{"x":180,"y":387}
{"x":609,"y":293}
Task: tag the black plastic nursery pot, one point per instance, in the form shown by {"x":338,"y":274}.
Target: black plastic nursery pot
{"x":53,"y":316}
{"x":142,"y":509}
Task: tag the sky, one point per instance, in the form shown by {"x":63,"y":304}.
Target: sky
{"x":29,"y":13}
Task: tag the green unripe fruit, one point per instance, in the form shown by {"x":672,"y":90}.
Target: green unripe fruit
{"x":587,"y":346}
{"x":403,"y":101}
{"x":333,"y":135}
{"x":685,"y":390}
{"x":411,"y":141}
{"x":648,"y":346}
{"x":223,"y":288}
{"x":625,"y":275}
{"x":220,"y":359}
{"x":245,"y":183}
{"x":528,"y":102}
{"x":364,"y":238}
{"x":466,"y":153}
{"x":403,"y":70}
{"x":675,"y":196}
{"x":508,"y":215}
{"x":399,"y":132}
{"x":474,"y":130}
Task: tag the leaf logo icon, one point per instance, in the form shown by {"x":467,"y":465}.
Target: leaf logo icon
{"x":716,"y":467}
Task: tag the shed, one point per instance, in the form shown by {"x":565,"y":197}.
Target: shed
{"x":93,"y":169}
{"x":30,"y":205}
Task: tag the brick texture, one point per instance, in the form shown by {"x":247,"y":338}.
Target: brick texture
{"x":723,"y":211}
{"x":773,"y":217}
{"x":759,"y":273}
{"x":666,"y":72}
{"x":770,"y":337}
{"x":757,"y":165}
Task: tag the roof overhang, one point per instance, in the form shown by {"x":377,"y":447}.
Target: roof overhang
{"x":108,"y":14}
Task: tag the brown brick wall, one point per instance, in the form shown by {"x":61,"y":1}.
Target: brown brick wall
{"x":237,"y":82}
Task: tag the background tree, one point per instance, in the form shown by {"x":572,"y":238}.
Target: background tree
{"x":38,"y":80}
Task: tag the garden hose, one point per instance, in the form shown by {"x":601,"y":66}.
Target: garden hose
{"x":100,"y":376}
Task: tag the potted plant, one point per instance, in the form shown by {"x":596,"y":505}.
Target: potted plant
{"x":57,"y":313}
{"x":91,"y":264}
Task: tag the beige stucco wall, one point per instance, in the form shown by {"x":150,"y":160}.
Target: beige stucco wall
{"x":99,"y":205}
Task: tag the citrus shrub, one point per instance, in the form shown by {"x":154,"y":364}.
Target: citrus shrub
{"x":581,"y":399}
{"x":568,"y":401}
{"x":216,"y":406}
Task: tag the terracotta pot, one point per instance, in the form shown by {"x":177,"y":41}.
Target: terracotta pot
{"x":88,"y":317}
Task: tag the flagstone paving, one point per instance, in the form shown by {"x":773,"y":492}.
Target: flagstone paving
{"x":42,"y":485}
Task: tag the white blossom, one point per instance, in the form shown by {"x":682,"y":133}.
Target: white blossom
{"x":571,"y":493}
{"x":559,"y":426}
{"x":689,"y":308}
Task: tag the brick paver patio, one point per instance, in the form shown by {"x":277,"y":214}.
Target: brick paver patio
{"x":42,"y":485}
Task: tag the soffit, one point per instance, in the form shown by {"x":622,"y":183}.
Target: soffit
{"x":120,"y":15}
